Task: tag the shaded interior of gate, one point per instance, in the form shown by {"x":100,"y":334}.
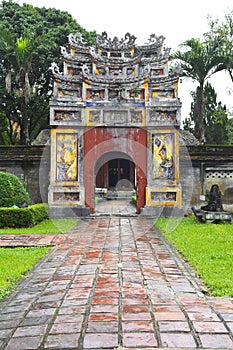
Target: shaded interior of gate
{"x":115,"y":171}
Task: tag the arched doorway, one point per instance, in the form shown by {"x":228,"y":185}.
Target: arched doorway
{"x":103,"y":145}
{"x":115,"y":179}
{"x":117,"y":173}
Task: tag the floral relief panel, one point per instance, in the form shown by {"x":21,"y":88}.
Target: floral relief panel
{"x":67,"y":157}
{"x":163,"y":151}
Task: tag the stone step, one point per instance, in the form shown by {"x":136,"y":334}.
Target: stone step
{"x":120,"y":194}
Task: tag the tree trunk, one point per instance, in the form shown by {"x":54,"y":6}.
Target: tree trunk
{"x":231,"y":74}
{"x":198,"y":114}
{"x":24,"y":133}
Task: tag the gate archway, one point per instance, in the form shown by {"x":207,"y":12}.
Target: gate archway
{"x":115,"y":170}
{"x":103,"y":145}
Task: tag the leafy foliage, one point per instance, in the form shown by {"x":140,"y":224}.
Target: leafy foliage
{"x":22,"y":217}
{"x":216,"y":123}
{"x":33,"y":37}
{"x":222,"y":32}
{"x":12,"y":191}
{"x":198,"y":61}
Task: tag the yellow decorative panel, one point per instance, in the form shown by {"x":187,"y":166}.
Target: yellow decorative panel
{"x":163,"y":153}
{"x":66,"y":154}
{"x":163,"y":196}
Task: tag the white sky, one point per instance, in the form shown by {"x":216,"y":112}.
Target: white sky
{"x":176,"y":20}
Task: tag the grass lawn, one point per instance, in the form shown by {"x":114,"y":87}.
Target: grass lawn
{"x":207,"y":247}
{"x":45,"y":227}
{"x":15,"y":262}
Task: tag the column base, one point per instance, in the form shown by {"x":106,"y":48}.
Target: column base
{"x":60,"y":212}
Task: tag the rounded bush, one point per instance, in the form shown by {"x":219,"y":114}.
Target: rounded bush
{"x":12,"y":191}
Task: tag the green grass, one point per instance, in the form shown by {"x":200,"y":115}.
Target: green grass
{"x":54,"y":226}
{"x":15,"y":262}
{"x":207,"y":247}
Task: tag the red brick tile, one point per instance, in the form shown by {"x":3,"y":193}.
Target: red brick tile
{"x":105,"y":294}
{"x":167,"y":308}
{"x":198,"y":316}
{"x":66,"y":328}
{"x":68,"y":318}
{"x":173,"y":326}
{"x":137,"y":326}
{"x":109,"y":301}
{"x":22,"y":343}
{"x":61,"y":341}
{"x":100,"y":341}
{"x":209,"y":327}
{"x":104,"y":309}
{"x":30,"y":331}
{"x":126,"y":316}
{"x":169,"y":316}
{"x":177,"y":340}
{"x":103,"y":317}
{"x":102,"y":327}
{"x":136,"y":340}
{"x":135,"y":308}
{"x":216,"y":341}
{"x":132,"y":301}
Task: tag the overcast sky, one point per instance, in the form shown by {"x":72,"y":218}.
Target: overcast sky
{"x":176,"y":20}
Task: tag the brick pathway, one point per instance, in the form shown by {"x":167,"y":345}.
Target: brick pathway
{"x":112,"y":283}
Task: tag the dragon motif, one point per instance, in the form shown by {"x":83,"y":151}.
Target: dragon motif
{"x":76,"y":39}
{"x":115,"y":44}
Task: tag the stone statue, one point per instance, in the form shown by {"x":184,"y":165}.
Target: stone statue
{"x":215,"y":200}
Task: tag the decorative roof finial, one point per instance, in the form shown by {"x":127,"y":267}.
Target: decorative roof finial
{"x":106,"y":43}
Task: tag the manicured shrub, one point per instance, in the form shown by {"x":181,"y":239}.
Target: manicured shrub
{"x":12,"y":191}
{"x":40,"y":212}
{"x":22,"y":217}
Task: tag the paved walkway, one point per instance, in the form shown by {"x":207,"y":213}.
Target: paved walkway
{"x":120,"y":207}
{"x":112,"y":283}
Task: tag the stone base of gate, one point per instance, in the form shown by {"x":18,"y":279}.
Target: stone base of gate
{"x":68,"y":212}
{"x":163,"y":212}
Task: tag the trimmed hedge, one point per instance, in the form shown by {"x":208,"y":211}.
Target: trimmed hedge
{"x":12,"y":191}
{"x":23,"y":217}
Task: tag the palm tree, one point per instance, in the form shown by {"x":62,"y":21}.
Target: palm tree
{"x":18,"y":54}
{"x":199,"y":61}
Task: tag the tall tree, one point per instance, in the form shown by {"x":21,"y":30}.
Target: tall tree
{"x":217,"y":126}
{"x":198,"y":61}
{"x":215,"y":118}
{"x":51,"y":28}
{"x":222,"y":32}
{"x":18,"y":54}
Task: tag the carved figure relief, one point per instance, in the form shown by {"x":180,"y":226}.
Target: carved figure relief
{"x":163,"y":196}
{"x":69,"y":94}
{"x":115,"y":71}
{"x":94,"y":116}
{"x":163,"y":116}
{"x":95,"y":94}
{"x":113,"y":94}
{"x":66,"y":196}
{"x":131,"y":71}
{"x":163,"y":150}
{"x":136,"y":116}
{"x":67,"y":115}
{"x":137,"y":93}
{"x":115,"y":116}
{"x":101,"y":70}
{"x":74,"y":71}
{"x":162,"y":94}
{"x":66,"y":157}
